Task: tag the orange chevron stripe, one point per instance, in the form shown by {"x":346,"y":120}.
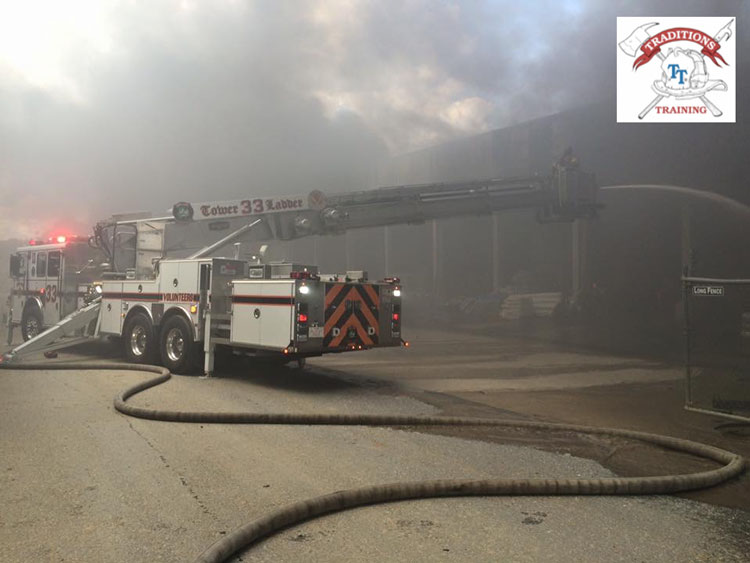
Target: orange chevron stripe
{"x":354,"y":295}
{"x":369,"y":316}
{"x":332,"y":293}
{"x":331,"y":322}
{"x":373,"y":295}
{"x":352,"y":322}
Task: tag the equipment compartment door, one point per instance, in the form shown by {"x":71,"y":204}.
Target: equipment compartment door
{"x":278,"y":315}
{"x":263,"y":313}
{"x":111,"y":311}
{"x":245,"y":325}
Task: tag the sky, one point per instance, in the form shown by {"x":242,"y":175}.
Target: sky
{"x":121,"y":106}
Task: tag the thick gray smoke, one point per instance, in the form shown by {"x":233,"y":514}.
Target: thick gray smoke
{"x":146,"y":103}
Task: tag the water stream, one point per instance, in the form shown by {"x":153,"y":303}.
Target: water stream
{"x":726,"y":202}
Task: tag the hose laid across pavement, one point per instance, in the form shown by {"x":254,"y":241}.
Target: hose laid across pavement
{"x":297,"y":512}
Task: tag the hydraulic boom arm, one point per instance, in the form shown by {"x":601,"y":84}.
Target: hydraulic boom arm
{"x":566,"y":194}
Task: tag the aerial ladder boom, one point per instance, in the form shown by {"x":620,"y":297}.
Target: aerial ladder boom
{"x":564,"y":198}
{"x":200,"y":229}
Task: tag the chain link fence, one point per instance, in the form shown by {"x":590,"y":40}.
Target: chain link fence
{"x":717,"y":346}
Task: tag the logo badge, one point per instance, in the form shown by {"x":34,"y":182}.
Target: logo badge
{"x":182,"y":211}
{"x":316,"y":199}
{"x":676,"y":70}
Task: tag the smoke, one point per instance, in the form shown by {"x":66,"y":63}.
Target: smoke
{"x":109,"y":107}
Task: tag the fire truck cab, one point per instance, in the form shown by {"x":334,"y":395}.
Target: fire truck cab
{"x":50,"y":280}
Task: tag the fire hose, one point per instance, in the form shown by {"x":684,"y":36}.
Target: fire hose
{"x":245,"y":536}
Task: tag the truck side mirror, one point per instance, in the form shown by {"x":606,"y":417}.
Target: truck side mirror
{"x":15,"y":265}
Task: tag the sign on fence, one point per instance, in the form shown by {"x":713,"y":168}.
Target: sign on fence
{"x":717,"y":346}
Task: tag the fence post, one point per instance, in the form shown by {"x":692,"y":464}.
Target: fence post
{"x":686,"y":319}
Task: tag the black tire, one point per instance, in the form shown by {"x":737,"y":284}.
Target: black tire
{"x":138,"y":340}
{"x":179,"y":353}
{"x":32,"y":322}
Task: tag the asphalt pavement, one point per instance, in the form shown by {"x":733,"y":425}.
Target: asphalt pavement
{"x":81,"y":482}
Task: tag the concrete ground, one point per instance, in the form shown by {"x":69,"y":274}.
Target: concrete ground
{"x":80,"y":482}
{"x":465,"y":372}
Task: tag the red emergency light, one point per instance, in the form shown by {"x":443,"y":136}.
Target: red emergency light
{"x":303,"y":275}
{"x":395,"y":316}
{"x":302,"y":318}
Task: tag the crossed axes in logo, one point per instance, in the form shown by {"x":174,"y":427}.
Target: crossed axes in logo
{"x":640,"y":35}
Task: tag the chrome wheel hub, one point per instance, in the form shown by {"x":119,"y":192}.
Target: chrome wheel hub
{"x":138,"y":340}
{"x":175,"y":345}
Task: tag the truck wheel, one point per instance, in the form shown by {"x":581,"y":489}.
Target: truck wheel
{"x":31,"y":322}
{"x":138,"y":342}
{"x":179,"y":354}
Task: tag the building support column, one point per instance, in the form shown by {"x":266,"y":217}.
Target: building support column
{"x":386,"y":251}
{"x":687,"y":243}
{"x":579,"y":251}
{"x":496,"y":252}
{"x":347,"y":252}
{"x":435,"y":259}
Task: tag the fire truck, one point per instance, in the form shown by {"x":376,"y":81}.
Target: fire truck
{"x":50,"y":279}
{"x":173,"y":299}
{"x":185,"y":308}
{"x":279,"y":311}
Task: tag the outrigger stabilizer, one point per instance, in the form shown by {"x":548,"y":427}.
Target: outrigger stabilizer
{"x":78,"y":327}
